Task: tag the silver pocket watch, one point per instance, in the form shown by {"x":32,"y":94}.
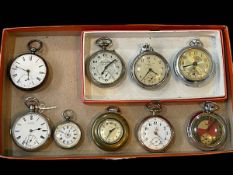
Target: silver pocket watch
{"x":105,"y":68}
{"x":31,"y":130}
{"x":150,"y":69}
{"x":155,"y":133}
{"x":28,"y":71}
{"x":206,"y":129}
{"x":194,"y":64}
{"x":67,"y":134}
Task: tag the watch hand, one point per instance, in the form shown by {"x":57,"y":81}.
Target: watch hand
{"x":156,"y":133}
{"x":193,"y":64}
{"x":31,"y":130}
{"x":21,"y":68}
{"x":110,"y":131}
{"x":151,"y":70}
{"x":145,"y":75}
{"x":28,"y":71}
{"x":107,"y":66}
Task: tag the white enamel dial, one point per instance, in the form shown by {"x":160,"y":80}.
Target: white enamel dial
{"x":67,"y":135}
{"x":155,"y":133}
{"x":150,"y":69}
{"x":106,"y":67}
{"x":31,"y":131}
{"x":111,"y":131}
{"x":28,"y":71}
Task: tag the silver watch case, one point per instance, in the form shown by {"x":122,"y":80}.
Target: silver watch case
{"x":93,"y":80}
{"x":183,"y":78}
{"x":162,"y":82}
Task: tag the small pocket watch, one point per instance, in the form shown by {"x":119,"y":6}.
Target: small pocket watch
{"x":155,"y":133}
{"x":68,"y":133}
{"x":28,"y":71}
{"x":149,"y":69}
{"x":105,"y":68}
{"x":194,"y":64}
{"x":110,"y":131}
{"x":31,"y":130}
{"x":207,"y":130}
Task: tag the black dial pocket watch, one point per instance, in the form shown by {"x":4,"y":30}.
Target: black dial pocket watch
{"x":149,"y":69}
{"x":194,"y":64}
{"x":110,"y":130}
{"x":105,"y":68}
{"x":155,"y":133}
{"x":31,"y":130}
{"x":28,"y":71}
{"x":207,"y":130}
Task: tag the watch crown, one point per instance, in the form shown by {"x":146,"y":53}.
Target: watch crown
{"x":146,"y":48}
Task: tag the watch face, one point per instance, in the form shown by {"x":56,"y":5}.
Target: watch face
{"x":207,"y":131}
{"x":155,"y":133}
{"x":105,"y":68}
{"x":150,"y":70}
{"x":28,"y":71}
{"x":194,"y":64}
{"x":110,"y":131}
{"x":30,"y":131}
{"x":67,"y":135}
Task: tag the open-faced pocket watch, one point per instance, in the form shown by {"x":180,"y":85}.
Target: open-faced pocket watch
{"x":194,"y":64}
{"x":155,"y":133}
{"x":67,"y":134}
{"x":110,"y":131}
{"x":31,"y":130}
{"x":105,"y":68}
{"x":207,"y":130}
{"x":28,"y":71}
{"x":149,"y":69}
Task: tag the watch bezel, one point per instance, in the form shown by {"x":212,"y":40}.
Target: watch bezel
{"x":143,"y":144}
{"x":97,"y":138}
{"x":179,"y":74}
{"x":194,"y":141}
{"x":44,"y":145}
{"x":155,"y":86}
{"x":33,"y":88}
{"x":97,"y":83}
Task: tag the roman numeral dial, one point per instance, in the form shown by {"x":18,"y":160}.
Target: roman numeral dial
{"x":28,"y":71}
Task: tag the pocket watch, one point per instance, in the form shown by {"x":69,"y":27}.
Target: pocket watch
{"x":155,"y":133}
{"x":194,"y":64}
{"x":105,"y":68}
{"x":110,"y":131}
{"x":68,"y":133}
{"x":207,"y":130}
{"x":31,"y":130}
{"x":28,"y":71}
{"x":149,"y":69}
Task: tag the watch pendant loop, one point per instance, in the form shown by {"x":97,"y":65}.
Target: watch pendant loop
{"x":34,"y":45}
{"x":67,"y":114}
{"x":196,"y":43}
{"x":104,"y":42}
{"x":31,"y":103}
{"x":154,"y":107}
{"x":113,"y":109}
{"x":210,"y":107}
{"x":146,"y":48}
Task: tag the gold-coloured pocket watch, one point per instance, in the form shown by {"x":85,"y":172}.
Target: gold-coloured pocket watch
{"x":207,"y":130}
{"x":110,"y":130}
{"x":194,"y":64}
{"x":155,"y":133}
{"x":150,"y":69}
